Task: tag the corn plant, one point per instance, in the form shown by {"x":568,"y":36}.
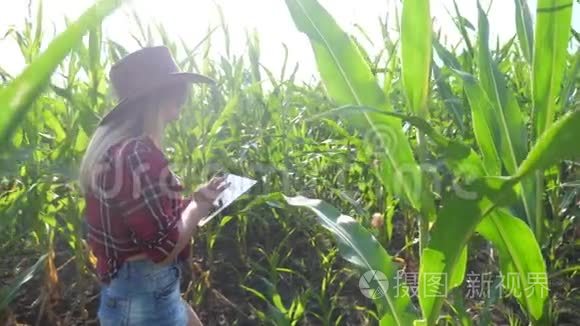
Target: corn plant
{"x":502,"y":147}
{"x":16,"y":99}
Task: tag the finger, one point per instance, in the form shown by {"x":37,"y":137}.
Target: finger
{"x":220,"y":185}
{"x":214,"y":182}
{"x":223,"y":187}
{"x":219,"y":173}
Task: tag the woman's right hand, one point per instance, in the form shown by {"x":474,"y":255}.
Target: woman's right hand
{"x":197,"y":209}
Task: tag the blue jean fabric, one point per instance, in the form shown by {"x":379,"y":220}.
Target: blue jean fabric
{"x":143,"y":293}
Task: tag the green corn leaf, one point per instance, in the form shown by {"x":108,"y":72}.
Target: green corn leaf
{"x":358,"y":246}
{"x":560,"y":141}
{"x":463,"y":161}
{"x":228,"y":111}
{"x":17,"y":97}
{"x":95,"y":41}
{"x":555,"y":145}
{"x":524,"y":28}
{"x":445,"y":55}
{"x":523,"y":269}
{"x":54,"y":124}
{"x":461,"y":23}
{"x":569,"y":87}
{"x":553,"y":19}
{"x":416,"y":53}
{"x":459,"y":157}
{"x":484,"y":127}
{"x":520,"y":253}
{"x":349,"y":80}
{"x":351,"y":111}
{"x":519,"y":250}
{"x":37,"y":40}
{"x":9,"y":292}
{"x":512,"y":145}
{"x":476,"y":201}
{"x":458,"y":273}
{"x":95,"y":50}
{"x":450,"y":101}
{"x":503,"y":52}
{"x":460,"y":214}
{"x":509,"y":117}
{"x":392,"y":65}
{"x":354,"y":78}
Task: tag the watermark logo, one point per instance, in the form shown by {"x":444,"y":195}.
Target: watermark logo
{"x":373,"y":284}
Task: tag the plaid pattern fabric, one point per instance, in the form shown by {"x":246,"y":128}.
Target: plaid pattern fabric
{"x":134,"y":207}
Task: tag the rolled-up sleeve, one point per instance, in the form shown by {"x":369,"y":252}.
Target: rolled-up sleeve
{"x":153,"y":203}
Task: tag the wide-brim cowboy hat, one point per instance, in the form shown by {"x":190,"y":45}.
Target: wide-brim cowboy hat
{"x":144,"y":72}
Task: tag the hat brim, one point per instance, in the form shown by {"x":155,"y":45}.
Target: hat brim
{"x":177,"y":77}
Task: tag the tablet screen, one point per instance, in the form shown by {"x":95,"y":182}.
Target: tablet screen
{"x":238,"y":186}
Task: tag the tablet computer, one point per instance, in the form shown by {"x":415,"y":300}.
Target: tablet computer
{"x":237,"y":186}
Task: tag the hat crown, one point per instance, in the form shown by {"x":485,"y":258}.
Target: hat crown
{"x":141,"y":70}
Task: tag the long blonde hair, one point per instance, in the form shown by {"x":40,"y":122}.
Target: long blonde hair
{"x":139,"y":120}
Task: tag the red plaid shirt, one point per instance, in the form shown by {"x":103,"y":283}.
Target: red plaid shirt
{"x":134,"y":207}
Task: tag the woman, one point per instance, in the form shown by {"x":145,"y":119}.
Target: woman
{"x":139,"y":225}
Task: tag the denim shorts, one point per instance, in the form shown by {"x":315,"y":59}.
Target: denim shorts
{"x":143,"y":293}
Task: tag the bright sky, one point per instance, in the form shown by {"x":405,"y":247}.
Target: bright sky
{"x":190,"y":20}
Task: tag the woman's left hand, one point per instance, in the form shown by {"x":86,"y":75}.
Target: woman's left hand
{"x":209,"y":192}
